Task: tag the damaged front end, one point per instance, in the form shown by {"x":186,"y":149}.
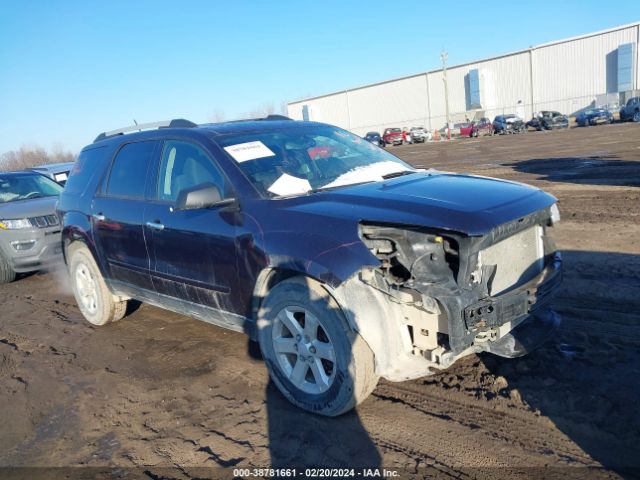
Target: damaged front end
{"x":438,"y":296}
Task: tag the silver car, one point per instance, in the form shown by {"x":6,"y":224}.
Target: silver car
{"x":29,"y":226}
{"x":55,"y":171}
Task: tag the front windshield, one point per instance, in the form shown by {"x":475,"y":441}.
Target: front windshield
{"x":25,"y":186}
{"x":302,"y":159}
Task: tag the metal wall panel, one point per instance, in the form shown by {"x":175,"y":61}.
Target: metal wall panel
{"x":564,"y":76}
{"x":504,"y":82}
{"x":567,"y":76}
{"x":401,"y":103}
{"x":331,"y":109}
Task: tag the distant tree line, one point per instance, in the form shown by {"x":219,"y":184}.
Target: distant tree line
{"x":29,"y":156}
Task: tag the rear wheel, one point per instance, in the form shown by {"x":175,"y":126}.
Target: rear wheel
{"x":96,"y":302}
{"x":313,"y":357}
{"x":636,"y":116}
{"x":7,"y":274}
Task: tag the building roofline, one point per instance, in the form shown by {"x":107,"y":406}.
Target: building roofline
{"x":487,"y":59}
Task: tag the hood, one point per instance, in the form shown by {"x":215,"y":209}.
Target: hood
{"x":462,"y":203}
{"x":36,"y":207}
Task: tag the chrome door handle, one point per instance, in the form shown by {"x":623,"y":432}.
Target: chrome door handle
{"x":99,"y":217}
{"x":155,"y":225}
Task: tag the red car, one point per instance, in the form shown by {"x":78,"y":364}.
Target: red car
{"x":476,"y":128}
{"x":482,"y":127}
{"x":466,"y":129}
{"x":392,"y":135}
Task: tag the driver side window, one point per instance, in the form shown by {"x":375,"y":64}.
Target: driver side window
{"x":185,"y":165}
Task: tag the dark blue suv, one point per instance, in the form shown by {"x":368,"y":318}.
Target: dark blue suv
{"x":345,"y":263}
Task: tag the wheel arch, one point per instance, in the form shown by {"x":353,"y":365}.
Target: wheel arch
{"x":272,"y":276}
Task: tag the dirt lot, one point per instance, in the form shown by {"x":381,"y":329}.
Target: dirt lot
{"x":161,"y":390}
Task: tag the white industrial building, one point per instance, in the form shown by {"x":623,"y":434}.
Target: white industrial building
{"x":567,"y":75}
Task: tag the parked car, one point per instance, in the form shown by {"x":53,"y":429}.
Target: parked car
{"x":594,"y":116}
{"x":475,"y":128}
{"x":29,"y":227}
{"x":508,"y":124}
{"x":375,"y":138}
{"x":631,"y":110}
{"x":392,"y":136}
{"x":464,"y":129}
{"x":418,"y":134}
{"x":55,"y":171}
{"x":343,"y":269}
{"x":482,"y":127}
{"x":547,"y":120}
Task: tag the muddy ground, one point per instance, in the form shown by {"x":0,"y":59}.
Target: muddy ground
{"x":161,"y":390}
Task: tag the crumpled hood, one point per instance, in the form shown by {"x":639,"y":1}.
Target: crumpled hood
{"x":462,"y":203}
{"x":36,"y":207}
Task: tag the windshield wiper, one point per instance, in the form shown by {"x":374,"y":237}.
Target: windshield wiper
{"x":398,"y":174}
{"x":324,"y":189}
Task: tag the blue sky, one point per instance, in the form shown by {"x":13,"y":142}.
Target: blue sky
{"x":71,"y":69}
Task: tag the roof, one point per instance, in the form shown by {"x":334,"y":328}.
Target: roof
{"x":495,"y":57}
{"x":209,"y":130}
{"x":15,"y":173}
{"x":54,"y":166}
{"x":184,"y":127}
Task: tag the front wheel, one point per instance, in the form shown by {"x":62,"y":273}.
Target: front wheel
{"x":96,"y":302}
{"x":313,"y":357}
{"x":7,"y":274}
{"x":636,"y":117}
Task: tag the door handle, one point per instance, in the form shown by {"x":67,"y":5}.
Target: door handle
{"x":99,"y":217}
{"x":155,"y":225}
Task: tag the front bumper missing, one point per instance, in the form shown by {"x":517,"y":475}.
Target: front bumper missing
{"x":525,"y":337}
{"x":513,"y":324}
{"x":532,"y":296}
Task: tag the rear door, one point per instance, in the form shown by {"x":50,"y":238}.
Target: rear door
{"x":193,"y":252}
{"x":118,"y":213}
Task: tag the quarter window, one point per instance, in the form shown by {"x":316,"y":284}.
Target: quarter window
{"x":129,"y":170}
{"x":185,"y":165}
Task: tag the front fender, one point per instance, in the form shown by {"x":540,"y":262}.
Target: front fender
{"x":317,"y":256}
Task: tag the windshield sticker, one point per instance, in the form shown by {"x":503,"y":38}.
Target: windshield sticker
{"x":288,"y":185}
{"x":243,"y":152}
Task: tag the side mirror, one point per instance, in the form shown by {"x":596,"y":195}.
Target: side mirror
{"x":205,"y":195}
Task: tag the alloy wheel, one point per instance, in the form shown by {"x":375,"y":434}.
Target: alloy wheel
{"x":304,"y":351}
{"x":86,"y":288}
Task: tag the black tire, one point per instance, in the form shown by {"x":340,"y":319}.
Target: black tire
{"x":106,"y":308}
{"x":7,"y":274}
{"x":351,"y":374}
{"x":636,"y":116}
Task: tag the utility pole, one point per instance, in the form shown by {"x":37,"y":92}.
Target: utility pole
{"x":443,"y":56}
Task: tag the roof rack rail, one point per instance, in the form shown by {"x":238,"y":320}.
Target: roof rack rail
{"x":175,"y":123}
{"x":276,"y":117}
{"x":261,"y":119}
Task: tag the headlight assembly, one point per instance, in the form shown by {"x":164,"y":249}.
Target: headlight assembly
{"x":555,"y":214}
{"x":15,"y":224}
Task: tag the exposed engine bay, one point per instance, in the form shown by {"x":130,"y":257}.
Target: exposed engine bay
{"x":458,"y":294}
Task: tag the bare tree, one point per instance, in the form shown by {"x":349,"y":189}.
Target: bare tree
{"x":262,"y":111}
{"x":32,"y":156}
{"x":217,"y":116}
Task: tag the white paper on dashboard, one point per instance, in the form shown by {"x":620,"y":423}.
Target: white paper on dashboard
{"x":243,"y":152}
{"x":289,"y":185}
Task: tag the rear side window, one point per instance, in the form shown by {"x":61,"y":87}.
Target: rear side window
{"x":83,"y":170}
{"x":129,"y":170}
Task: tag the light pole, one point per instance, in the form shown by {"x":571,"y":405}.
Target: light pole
{"x":443,"y":56}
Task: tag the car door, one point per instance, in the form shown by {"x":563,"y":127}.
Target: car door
{"x":193,"y":252}
{"x":118,"y":214}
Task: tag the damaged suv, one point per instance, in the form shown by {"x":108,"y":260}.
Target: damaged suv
{"x":345,"y":268}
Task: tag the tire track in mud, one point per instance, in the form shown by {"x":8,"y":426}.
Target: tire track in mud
{"x":520,"y":429}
